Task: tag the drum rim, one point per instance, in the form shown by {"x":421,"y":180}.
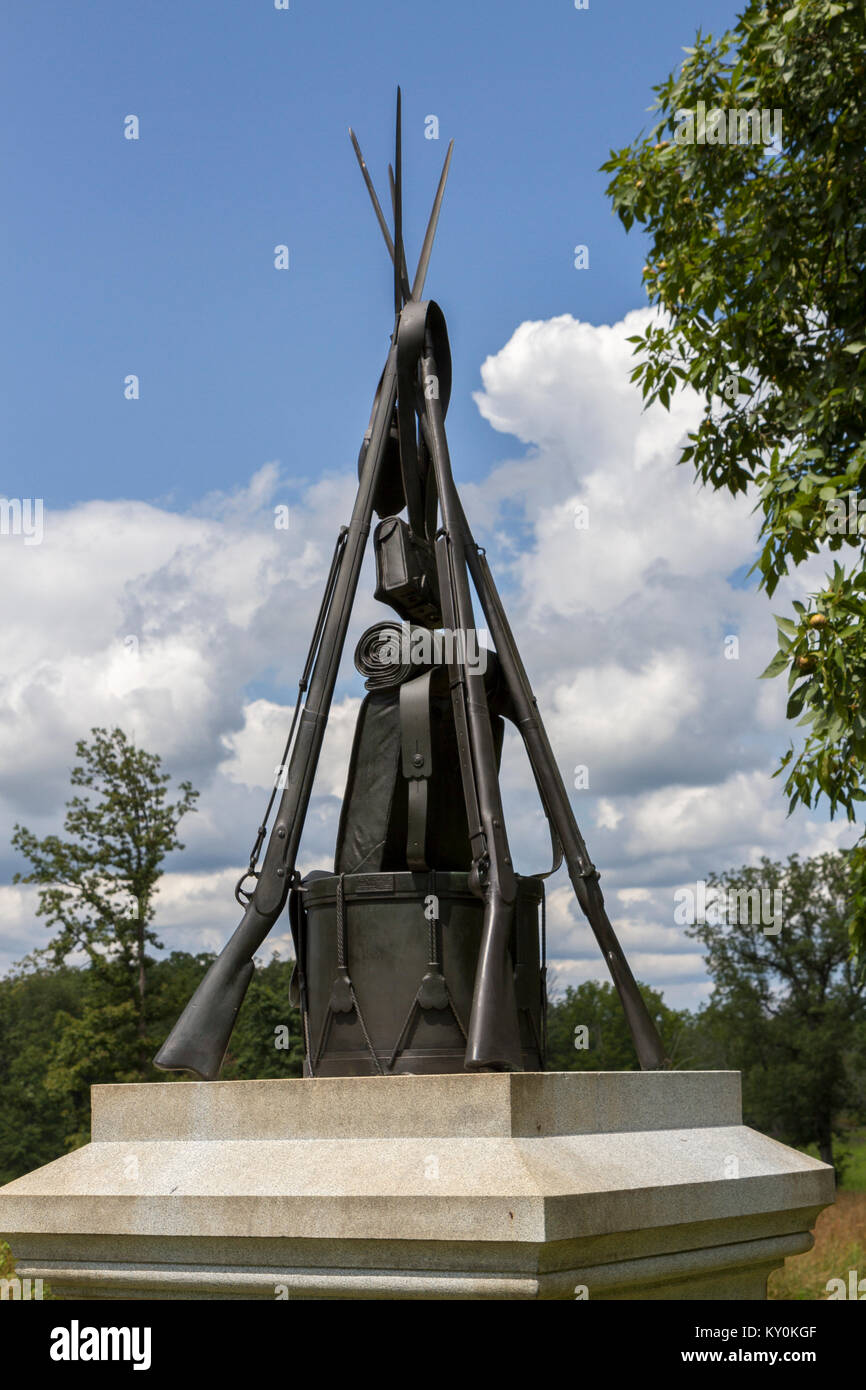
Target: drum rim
{"x":403,"y":884}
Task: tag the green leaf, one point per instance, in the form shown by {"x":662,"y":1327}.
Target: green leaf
{"x":795,"y":703}
{"x":767,"y":249}
{"x":776,"y":666}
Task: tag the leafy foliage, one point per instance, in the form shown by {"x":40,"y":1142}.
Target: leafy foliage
{"x":826,"y":681}
{"x":267,"y":1040}
{"x":33,"y":1128}
{"x":59,"y":1036}
{"x":64,"y":1030}
{"x":607,"y":1044}
{"x":757,"y":263}
{"x":789,"y":1009}
{"x":98,"y":885}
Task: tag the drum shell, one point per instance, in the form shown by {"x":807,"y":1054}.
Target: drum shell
{"x":387,"y":937}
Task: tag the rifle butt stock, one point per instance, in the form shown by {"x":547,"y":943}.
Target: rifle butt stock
{"x":493,"y":1040}
{"x":198,"y":1041}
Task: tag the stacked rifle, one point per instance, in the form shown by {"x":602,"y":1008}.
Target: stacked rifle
{"x":424,"y":567}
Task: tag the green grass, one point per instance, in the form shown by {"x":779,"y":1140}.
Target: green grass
{"x":840,"y":1245}
{"x":854,"y":1178}
{"x":840,"y":1233}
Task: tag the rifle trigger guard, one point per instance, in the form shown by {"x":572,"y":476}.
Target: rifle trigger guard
{"x":245,"y":895}
{"x":479,"y":873}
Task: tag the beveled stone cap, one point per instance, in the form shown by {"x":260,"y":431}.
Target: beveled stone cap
{"x":486,"y":1105}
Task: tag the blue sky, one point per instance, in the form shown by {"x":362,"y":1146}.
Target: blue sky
{"x":163,"y":600}
{"x":156,"y":256}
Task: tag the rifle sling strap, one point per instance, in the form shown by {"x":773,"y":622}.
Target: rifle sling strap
{"x":416,"y":744}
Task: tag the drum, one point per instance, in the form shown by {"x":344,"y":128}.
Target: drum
{"x":386,"y":971}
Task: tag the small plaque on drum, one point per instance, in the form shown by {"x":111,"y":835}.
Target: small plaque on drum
{"x":372,"y":883}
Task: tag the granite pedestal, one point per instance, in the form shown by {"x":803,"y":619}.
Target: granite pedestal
{"x":599,"y":1185}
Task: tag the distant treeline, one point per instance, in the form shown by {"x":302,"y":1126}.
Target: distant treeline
{"x":61,"y":1032}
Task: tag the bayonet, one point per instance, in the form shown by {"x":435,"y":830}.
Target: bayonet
{"x":427,"y":248}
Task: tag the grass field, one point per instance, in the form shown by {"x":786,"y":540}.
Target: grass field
{"x":840,"y":1245}
{"x":840,"y":1238}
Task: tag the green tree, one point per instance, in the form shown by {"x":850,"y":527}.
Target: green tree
{"x":60,"y":1034}
{"x":33,"y":1127}
{"x":788,"y":1008}
{"x":267,"y":1040}
{"x":587,"y":1029}
{"x":757,"y":264}
{"x":97,"y":885}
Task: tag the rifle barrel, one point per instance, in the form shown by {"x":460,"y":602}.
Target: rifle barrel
{"x":199,"y":1039}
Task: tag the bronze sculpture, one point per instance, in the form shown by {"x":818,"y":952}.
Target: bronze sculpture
{"x":422,"y":866}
